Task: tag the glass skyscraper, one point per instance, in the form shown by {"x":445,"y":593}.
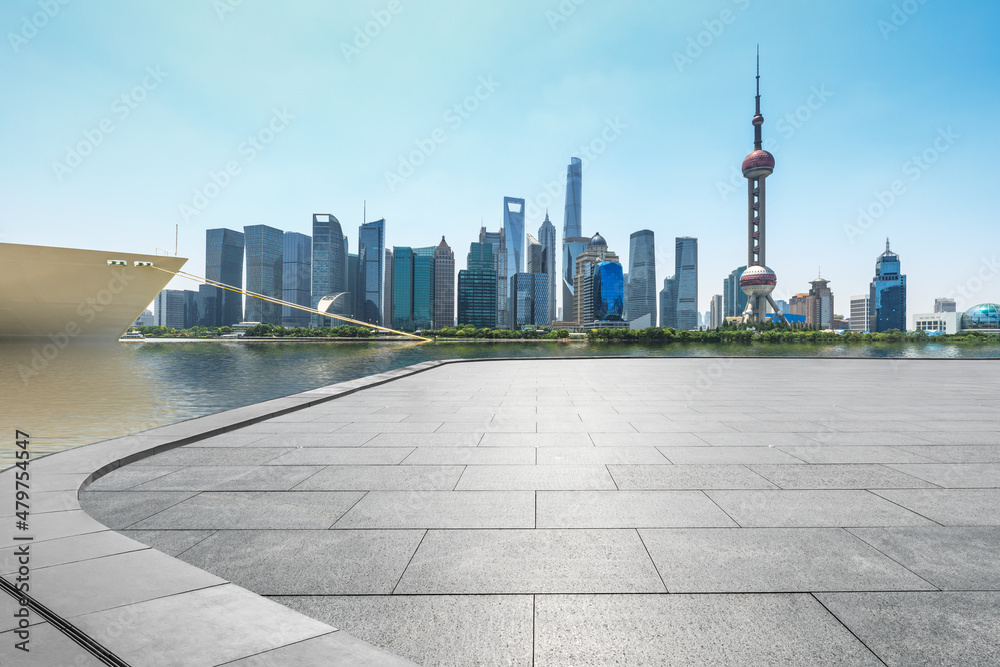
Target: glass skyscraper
{"x":641,"y":297}
{"x":329,"y":262}
{"x":686,"y":275}
{"x":371,"y":252}
{"x":887,"y":294}
{"x":668,"y":303}
{"x":609,"y":292}
{"x":296,"y":279}
{"x":265,"y":253}
{"x":734,"y":300}
{"x":529,"y":299}
{"x":513,"y":225}
{"x":499,"y":241}
{"x":547,"y":237}
{"x":573,"y":240}
{"x":224,"y":264}
{"x":413,"y":288}
{"x":477,"y":288}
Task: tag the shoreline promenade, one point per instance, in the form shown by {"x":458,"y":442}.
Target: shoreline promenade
{"x":548,"y":512}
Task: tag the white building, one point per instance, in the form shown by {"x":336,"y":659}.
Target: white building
{"x":859,"y":313}
{"x":947,"y":323}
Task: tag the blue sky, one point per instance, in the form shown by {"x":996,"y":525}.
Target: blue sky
{"x":221,"y":113}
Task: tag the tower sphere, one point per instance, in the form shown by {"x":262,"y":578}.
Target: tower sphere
{"x":758,"y":120}
{"x":598,"y":240}
{"x":757,"y":164}
{"x":758,"y":280}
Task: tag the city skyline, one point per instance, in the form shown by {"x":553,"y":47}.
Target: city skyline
{"x":160,"y":124}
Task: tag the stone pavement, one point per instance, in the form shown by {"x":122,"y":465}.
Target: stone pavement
{"x":558,"y":512}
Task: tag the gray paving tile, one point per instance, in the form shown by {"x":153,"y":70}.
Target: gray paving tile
{"x":803,"y":509}
{"x":336,"y":649}
{"x":951,"y":558}
{"x":891,"y":439}
{"x":129,"y":476}
{"x":170,"y":542}
{"x":687,"y":477}
{"x":950,"y":507}
{"x":954,"y":453}
{"x":647,"y":440}
{"x":772,"y":560}
{"x":838,"y":476}
{"x":442,"y":509}
{"x":654,"y":630}
{"x":290,"y":510}
{"x":68,"y":550}
{"x":231,"y":478}
{"x":530,"y":561}
{"x":52,"y":526}
{"x":471,"y":456}
{"x":628,"y":509}
{"x":433,"y":629}
{"x":92,"y":585}
{"x":491,"y":427}
{"x":855,"y":454}
{"x":237,"y":438}
{"x":989,"y":437}
{"x":384,"y":478}
{"x":288,"y":428}
{"x":923,"y":628}
{"x":402,"y":427}
{"x":536,"y":440}
{"x":425,"y":440}
{"x":120,"y":509}
{"x":750,"y":439}
{"x":737,"y":455}
{"x":643,"y":425}
{"x":203,"y":627}
{"x":535,"y":477}
{"x":294,"y":440}
{"x":599,"y":455}
{"x":343,"y":456}
{"x":955,"y":475}
{"x":213,"y":456}
{"x":46,"y":646}
{"x":308,"y":562}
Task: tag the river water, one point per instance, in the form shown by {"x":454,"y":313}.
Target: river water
{"x":91,"y":392}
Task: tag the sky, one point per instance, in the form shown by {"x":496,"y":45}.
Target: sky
{"x":126,"y":122}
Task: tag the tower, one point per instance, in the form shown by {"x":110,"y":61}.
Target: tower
{"x":887,"y":294}
{"x":573,"y":241}
{"x":758,"y":281}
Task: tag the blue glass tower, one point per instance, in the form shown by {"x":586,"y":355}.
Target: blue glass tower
{"x":887,"y":294}
{"x":642,"y":276}
{"x":265,"y":253}
{"x":413,"y":288}
{"x":686,"y":275}
{"x":477,"y":288}
{"x":296,"y":280}
{"x":371,"y":255}
{"x":547,"y":237}
{"x":609,"y":292}
{"x":224,"y":264}
{"x":329,"y":261}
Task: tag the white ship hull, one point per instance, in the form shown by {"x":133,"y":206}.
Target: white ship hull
{"x":46,"y":292}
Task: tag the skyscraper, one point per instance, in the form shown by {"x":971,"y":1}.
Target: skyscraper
{"x":265,"y":253}
{"x":387,"y":290}
{"x":444,"y":286}
{"x":296,"y":280}
{"x":371,"y":252}
{"x":686,"y":275}
{"x":513,"y":225}
{"x":533,"y":255}
{"x":758,"y":281}
{"x":668,"y":303}
{"x":477,"y":288}
{"x":500,"y":255}
{"x":819,"y":304}
{"x":573,"y":240}
{"x":887,"y":294}
{"x":609,"y":292}
{"x":353,"y":269}
{"x":641,"y":298}
{"x":715,"y":318}
{"x":224,"y":264}
{"x":944,"y":305}
{"x":547,"y":237}
{"x":329,"y":262}
{"x":529,"y":299}
{"x":170,"y":309}
{"x":734,"y":300}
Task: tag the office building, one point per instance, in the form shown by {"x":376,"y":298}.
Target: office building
{"x":477,"y":288}
{"x":533,"y":255}
{"x":147,"y":319}
{"x":513,"y":226}
{"x":170,"y":307}
{"x":819,"y":305}
{"x":573,"y":240}
{"x":583,"y":278}
{"x":296,"y":279}
{"x":413,"y":288}
{"x":609,"y":292}
{"x":529,"y":299}
{"x":859,"y":313}
{"x":371,"y":258}
{"x":353,"y":269}
{"x":387,"y":290}
{"x":887,"y":294}
{"x":498,"y":240}
{"x":641,"y":293}
{"x":444,"y":286}
{"x":265,"y":249}
{"x":715,"y":317}
{"x":224,"y":264}
{"x":329,"y":262}
{"x":547,"y":237}
{"x":734,"y":299}
{"x":944,"y":305}
{"x":686,"y":274}
{"x":668,"y":303}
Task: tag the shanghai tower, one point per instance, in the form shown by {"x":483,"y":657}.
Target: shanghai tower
{"x":573,"y":240}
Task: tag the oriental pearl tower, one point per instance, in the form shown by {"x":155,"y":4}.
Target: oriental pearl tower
{"x":758,"y":281}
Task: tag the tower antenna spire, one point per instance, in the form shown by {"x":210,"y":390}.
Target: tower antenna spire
{"x":758,"y":120}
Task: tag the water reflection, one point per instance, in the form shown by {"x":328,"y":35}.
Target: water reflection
{"x":91,"y":392}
